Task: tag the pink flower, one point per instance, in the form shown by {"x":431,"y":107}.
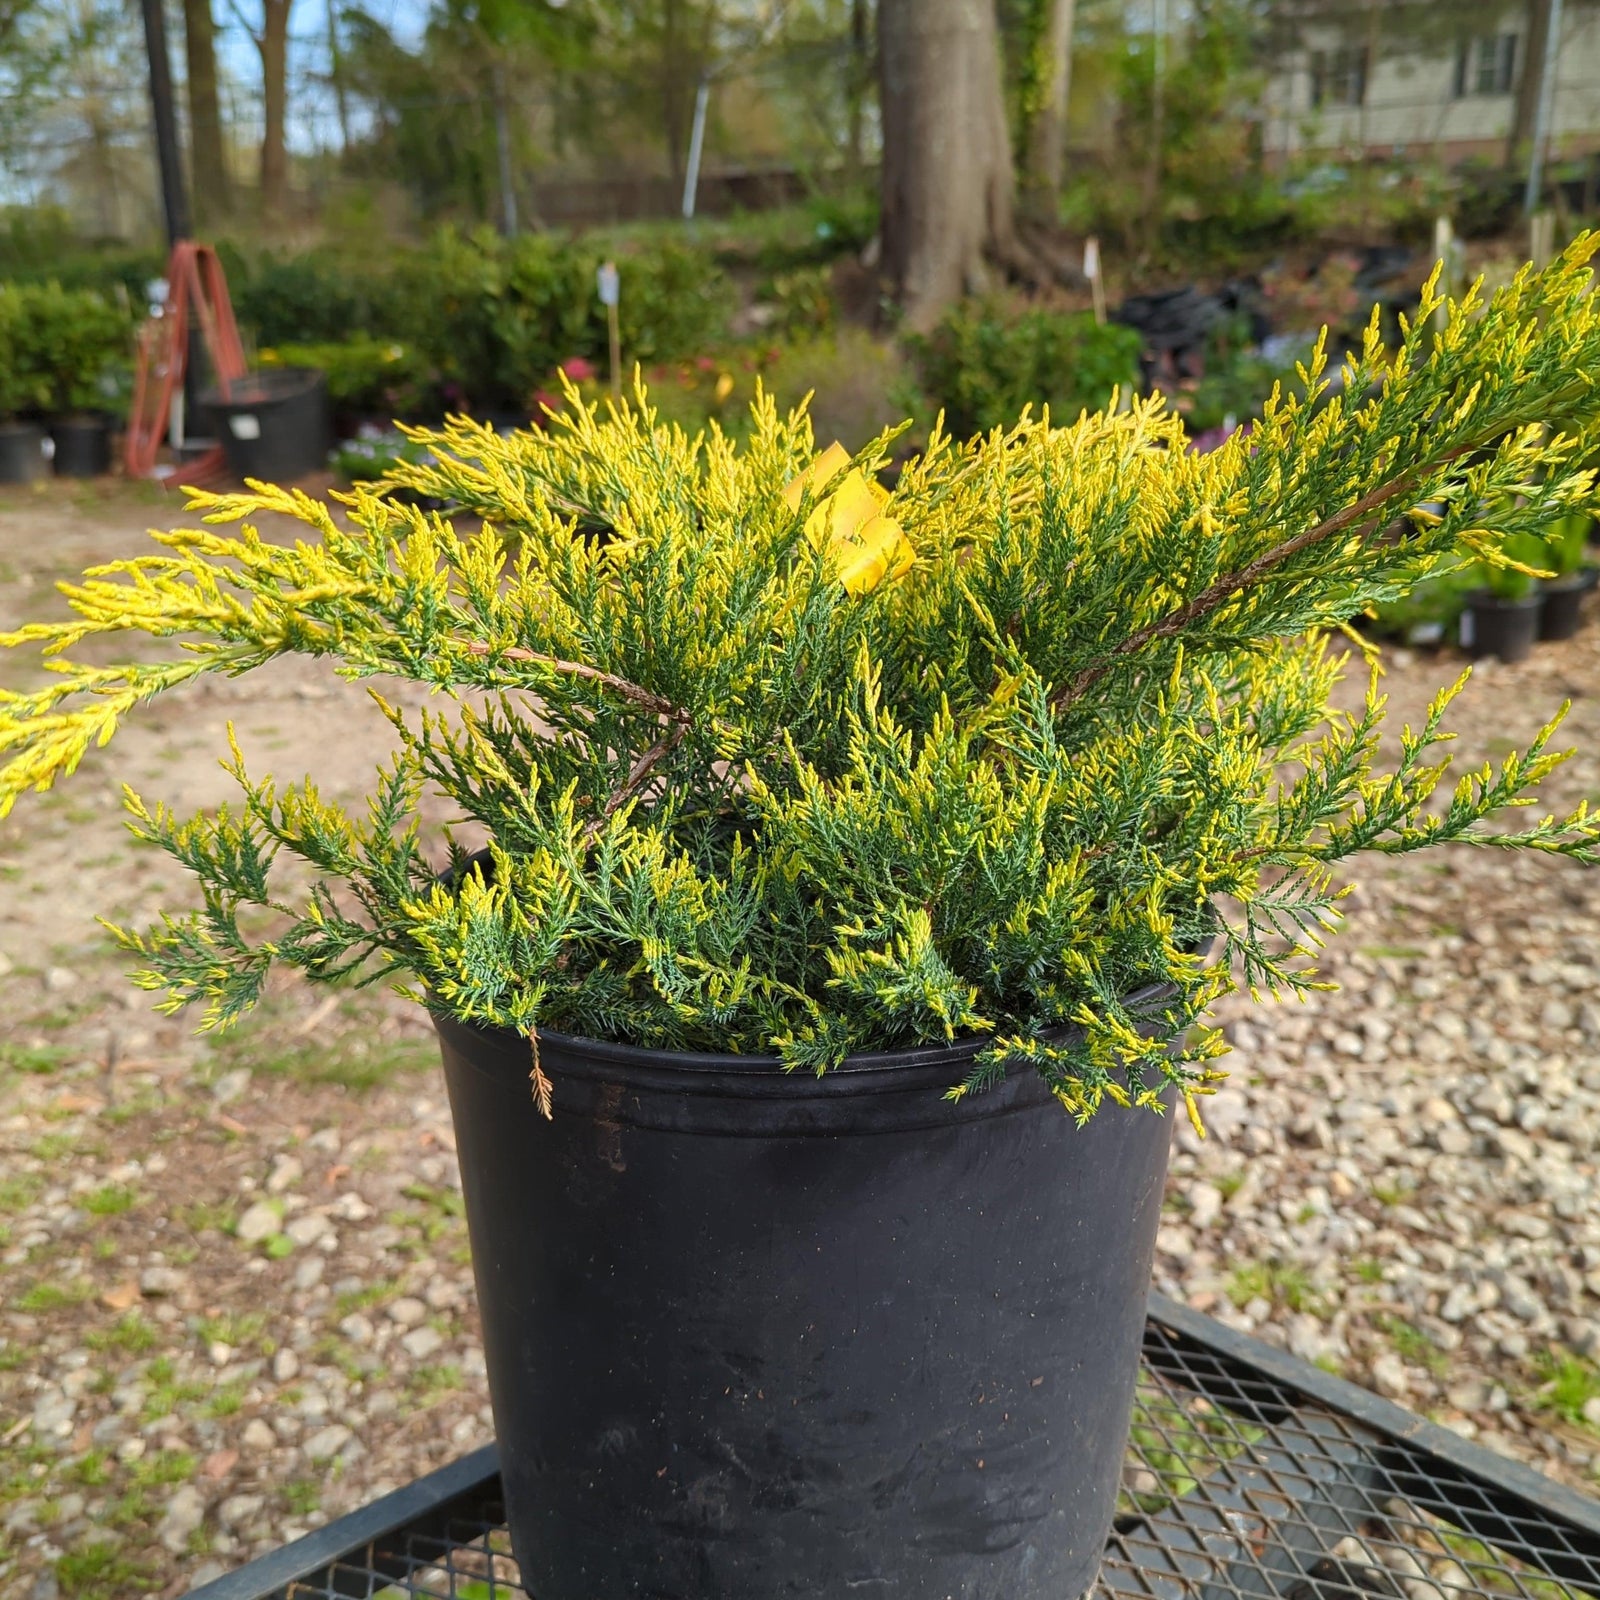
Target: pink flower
{"x":578,"y":368}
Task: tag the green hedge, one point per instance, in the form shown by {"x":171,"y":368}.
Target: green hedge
{"x":61,"y":350}
{"x":490,"y":318}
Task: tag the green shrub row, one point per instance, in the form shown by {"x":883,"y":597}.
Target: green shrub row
{"x":487,"y":319}
{"x":61,"y":350}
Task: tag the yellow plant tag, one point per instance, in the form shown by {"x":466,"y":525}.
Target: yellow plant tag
{"x":849,"y":521}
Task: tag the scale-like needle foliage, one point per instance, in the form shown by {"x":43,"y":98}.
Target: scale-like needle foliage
{"x":759,"y":781}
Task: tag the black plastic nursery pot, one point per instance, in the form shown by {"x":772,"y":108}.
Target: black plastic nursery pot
{"x":82,"y":446}
{"x":1493,"y":625}
{"x":275,"y":424}
{"x":754,"y":1334}
{"x":1563,"y":603}
{"x":21,"y":452}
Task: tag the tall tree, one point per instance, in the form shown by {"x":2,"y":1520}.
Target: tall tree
{"x":948,"y":186}
{"x":273,"y":43}
{"x":208,"y":164}
{"x":271,"y":40}
{"x":1047,"y":128}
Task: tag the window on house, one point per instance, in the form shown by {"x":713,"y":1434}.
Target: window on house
{"x":1486,"y":65}
{"x":1339,"y":77}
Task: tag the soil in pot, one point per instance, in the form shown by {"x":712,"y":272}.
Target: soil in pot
{"x":1493,"y":625}
{"x":1562,"y":611}
{"x":274,"y":425}
{"x":752,"y":1334}
{"x":83,"y":446}
{"x":22,"y":458}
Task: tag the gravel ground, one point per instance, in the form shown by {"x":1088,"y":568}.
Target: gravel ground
{"x":235,"y":1298}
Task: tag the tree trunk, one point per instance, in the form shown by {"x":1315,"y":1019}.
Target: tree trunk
{"x":1048,"y":133}
{"x":274,"y":45}
{"x":208,"y":165}
{"x":1526,"y":109}
{"x":860,"y":71}
{"x":947,"y":182}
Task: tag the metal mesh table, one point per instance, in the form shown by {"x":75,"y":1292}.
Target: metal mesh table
{"x":1251,"y":1476}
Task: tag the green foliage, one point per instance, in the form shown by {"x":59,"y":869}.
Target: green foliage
{"x":984,"y":362}
{"x":366,"y":377}
{"x":486,"y":318}
{"x":61,"y":350}
{"x":1566,"y":544}
{"x":1512,"y":578}
{"x":749,"y":790}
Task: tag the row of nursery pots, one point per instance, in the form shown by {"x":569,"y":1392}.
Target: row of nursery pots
{"x":74,"y":447}
{"x":1508,"y":627}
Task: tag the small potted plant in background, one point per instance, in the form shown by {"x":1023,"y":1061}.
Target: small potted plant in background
{"x":1565,"y":556}
{"x":87,"y":340}
{"x":24,"y":388}
{"x":843,"y":880}
{"x":1501,"y":618}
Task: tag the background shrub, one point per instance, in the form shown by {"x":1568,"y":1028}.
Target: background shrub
{"x":984,"y":363}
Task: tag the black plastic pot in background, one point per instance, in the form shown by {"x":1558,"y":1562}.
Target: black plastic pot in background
{"x":1563,"y":603}
{"x":752,"y":1333}
{"x":274,"y":424}
{"x":82,"y":446}
{"x":22,"y":457}
{"x":1493,"y":625}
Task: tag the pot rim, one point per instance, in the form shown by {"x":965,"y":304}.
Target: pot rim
{"x":914,"y":1058}
{"x":1488,"y":600}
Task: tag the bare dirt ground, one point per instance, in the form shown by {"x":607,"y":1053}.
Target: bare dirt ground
{"x":235,"y":1296}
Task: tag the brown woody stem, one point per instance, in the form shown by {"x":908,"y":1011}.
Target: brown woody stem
{"x":645,"y":698}
{"x":1242,"y":578}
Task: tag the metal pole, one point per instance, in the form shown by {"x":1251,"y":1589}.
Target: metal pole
{"x":1541,"y":123}
{"x":697,"y":137}
{"x":174,"y":200}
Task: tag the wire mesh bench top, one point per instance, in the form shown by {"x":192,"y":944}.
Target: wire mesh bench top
{"x":1251,"y":1475}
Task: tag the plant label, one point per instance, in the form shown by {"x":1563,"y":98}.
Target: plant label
{"x":609,"y":283}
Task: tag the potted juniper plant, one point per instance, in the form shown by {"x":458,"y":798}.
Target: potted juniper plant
{"x":842,"y":883}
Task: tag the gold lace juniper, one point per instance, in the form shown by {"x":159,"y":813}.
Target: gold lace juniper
{"x":739,"y":803}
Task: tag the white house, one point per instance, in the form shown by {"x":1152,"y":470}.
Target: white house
{"x":1363,"y":98}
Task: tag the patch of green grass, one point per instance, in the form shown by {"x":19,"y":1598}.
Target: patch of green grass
{"x":352,"y":1058}
{"x":369,"y":1294}
{"x":1392,"y":952}
{"x":302,"y":1496}
{"x":1277,"y":1283}
{"x":130,"y":1335}
{"x":200,"y":1215}
{"x":233,"y":1328}
{"x":111,"y":1200}
{"x":225,"y":1401}
{"x":92,"y":1469}
{"x":53,"y":1146}
{"x":1368,"y":1269}
{"x":166,"y":1392}
{"x":1412,"y":1344}
{"x":426,"y":1382}
{"x":1229,"y":1184}
{"x":102,"y":1570}
{"x":1390,"y":1194}
{"x":54,"y":1296}
{"x":20,"y":1190}
{"x":36,"y":1059}
{"x":1567,"y":1383}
